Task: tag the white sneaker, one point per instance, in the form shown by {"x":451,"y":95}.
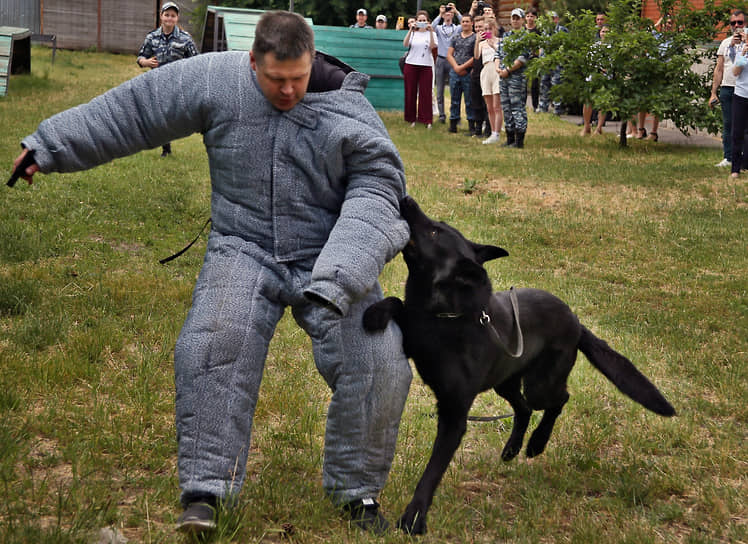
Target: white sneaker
{"x":492,"y":139}
{"x":428,"y":126}
{"x":724,"y":163}
{"x":413,"y":124}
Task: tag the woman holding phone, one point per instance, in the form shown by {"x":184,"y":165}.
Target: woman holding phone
{"x":486,"y":44}
{"x":418,"y":71}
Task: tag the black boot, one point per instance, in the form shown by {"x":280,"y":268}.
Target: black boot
{"x":510,"y":142}
{"x":166,"y":150}
{"x":519,"y":141}
{"x":471,"y":128}
{"x":453,"y":125}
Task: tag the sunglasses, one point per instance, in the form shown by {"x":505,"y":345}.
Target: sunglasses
{"x":739,"y":23}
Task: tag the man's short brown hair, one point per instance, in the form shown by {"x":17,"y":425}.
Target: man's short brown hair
{"x":287,"y":35}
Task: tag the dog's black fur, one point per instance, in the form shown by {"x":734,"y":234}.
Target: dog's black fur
{"x":457,"y":356}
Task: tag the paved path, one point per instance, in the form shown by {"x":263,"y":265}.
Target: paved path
{"x":666,"y":135}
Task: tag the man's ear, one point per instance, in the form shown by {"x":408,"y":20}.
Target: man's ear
{"x":487,"y":252}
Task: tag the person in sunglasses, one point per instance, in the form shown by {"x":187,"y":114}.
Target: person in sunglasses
{"x":723,"y":82}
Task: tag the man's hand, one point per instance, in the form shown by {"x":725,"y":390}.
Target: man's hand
{"x":24,"y":167}
{"x":149,"y":63}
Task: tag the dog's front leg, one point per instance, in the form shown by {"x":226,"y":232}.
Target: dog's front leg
{"x":451,"y":428}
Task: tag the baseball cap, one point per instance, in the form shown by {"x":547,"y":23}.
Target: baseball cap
{"x":554,"y":14}
{"x":168,"y":5}
{"x":362,"y":10}
{"x":381,"y":18}
{"x":519,"y":12}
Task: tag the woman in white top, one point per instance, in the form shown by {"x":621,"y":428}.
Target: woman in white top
{"x":417,"y":72}
{"x":486,"y":44}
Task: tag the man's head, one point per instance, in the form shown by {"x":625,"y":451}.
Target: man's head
{"x":361,"y":17}
{"x":283,"y":65}
{"x":448,"y":14}
{"x":518,"y":18}
{"x":466,"y":24}
{"x":531,"y":17}
{"x":169,"y":17}
{"x":381,"y":21}
{"x":599,"y":19}
{"x":737,"y":21}
{"x":479,"y":23}
{"x":488,"y":11}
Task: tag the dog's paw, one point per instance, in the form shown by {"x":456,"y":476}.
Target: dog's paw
{"x":510,"y":451}
{"x":379,"y":314}
{"x":413,"y":521}
{"x":376,"y":318}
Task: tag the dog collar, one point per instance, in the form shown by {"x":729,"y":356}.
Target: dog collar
{"x":447,"y":315}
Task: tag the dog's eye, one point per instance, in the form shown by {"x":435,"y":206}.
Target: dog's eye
{"x":434,"y":233}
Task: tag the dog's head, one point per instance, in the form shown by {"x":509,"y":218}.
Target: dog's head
{"x":446,"y":271}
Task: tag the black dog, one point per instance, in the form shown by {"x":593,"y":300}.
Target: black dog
{"x":465,"y":339}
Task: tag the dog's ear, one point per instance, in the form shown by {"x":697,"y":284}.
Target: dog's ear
{"x":487,"y":253}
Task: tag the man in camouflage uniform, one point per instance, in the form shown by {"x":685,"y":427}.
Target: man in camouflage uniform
{"x":514,"y":86}
{"x":553,"y":78}
{"x":166,"y":44}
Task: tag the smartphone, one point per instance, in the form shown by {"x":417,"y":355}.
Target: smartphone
{"x":487,"y":35}
{"x":400,"y":21}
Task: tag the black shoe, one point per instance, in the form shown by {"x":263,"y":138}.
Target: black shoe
{"x":442,"y":119}
{"x":510,"y":141}
{"x":365,"y":515}
{"x":197,"y":518}
{"x":519,"y":140}
{"x":453,"y":125}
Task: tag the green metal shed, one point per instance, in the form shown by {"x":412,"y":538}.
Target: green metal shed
{"x":373,"y":52}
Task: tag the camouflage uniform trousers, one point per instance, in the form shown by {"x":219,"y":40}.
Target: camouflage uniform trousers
{"x":546,"y":82}
{"x":514,"y":102}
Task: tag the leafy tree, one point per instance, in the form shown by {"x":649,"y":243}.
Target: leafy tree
{"x":637,"y":68}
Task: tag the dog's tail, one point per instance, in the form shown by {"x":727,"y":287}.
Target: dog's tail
{"x":623,"y":374}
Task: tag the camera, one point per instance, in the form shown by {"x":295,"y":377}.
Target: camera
{"x":421,"y":24}
{"x":448,"y":8}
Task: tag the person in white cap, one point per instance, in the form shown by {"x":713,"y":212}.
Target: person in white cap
{"x":381,"y":22}
{"x":514,"y":86}
{"x":361,"y":17}
{"x":166,"y":44}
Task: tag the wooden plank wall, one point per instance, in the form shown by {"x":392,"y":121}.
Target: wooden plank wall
{"x":108,"y":25}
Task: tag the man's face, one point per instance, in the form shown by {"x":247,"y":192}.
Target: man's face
{"x":448,"y":16}
{"x":169,"y":19}
{"x":361,"y":19}
{"x":600,"y":19}
{"x":516,"y":22}
{"x":381,"y":24}
{"x":479,"y":27}
{"x":283,"y":82}
{"x":530,"y":18}
{"x":737,"y":23}
{"x":466,"y":24}
{"x":487,"y":12}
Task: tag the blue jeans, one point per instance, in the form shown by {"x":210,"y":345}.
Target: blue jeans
{"x":239,"y":297}
{"x":725,"y":102}
{"x":459,"y":86}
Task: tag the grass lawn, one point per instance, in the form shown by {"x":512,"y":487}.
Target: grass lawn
{"x":646,"y":244}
